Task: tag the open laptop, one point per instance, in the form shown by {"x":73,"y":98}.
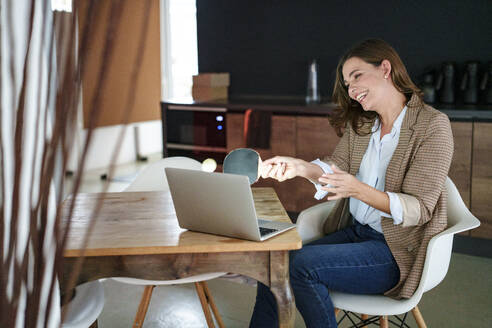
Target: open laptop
{"x":220,"y":204}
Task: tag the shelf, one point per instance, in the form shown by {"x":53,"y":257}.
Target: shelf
{"x":458,"y":115}
{"x":195,"y":147}
{"x":277,"y":105}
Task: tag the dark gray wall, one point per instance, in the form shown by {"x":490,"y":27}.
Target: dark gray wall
{"x":266,"y":45}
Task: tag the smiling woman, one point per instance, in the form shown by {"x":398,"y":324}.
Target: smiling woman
{"x":387,"y":174}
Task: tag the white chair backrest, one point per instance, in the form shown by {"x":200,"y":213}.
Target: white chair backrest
{"x":440,"y":246}
{"x":153,"y":177}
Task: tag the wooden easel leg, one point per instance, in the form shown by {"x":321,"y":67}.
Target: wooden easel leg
{"x":143,"y":306}
{"x":204,"y":303}
{"x":383,"y":321}
{"x":418,"y":317}
{"x":211,"y":301}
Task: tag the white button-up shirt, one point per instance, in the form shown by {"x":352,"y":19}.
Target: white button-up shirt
{"x":372,"y":171}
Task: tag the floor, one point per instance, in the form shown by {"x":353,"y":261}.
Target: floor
{"x":463,"y":299}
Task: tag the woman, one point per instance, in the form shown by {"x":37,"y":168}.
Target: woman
{"x":388,"y":171}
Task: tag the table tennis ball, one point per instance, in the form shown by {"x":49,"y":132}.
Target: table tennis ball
{"x":209,"y":165}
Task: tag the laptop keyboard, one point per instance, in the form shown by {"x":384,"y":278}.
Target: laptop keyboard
{"x":266,"y":231}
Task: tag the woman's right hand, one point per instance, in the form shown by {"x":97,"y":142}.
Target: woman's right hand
{"x":281,"y":168}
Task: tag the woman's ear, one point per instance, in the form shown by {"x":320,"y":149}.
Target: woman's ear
{"x":386,"y":68}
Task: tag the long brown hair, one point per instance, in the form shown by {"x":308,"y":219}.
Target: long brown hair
{"x":372,"y":51}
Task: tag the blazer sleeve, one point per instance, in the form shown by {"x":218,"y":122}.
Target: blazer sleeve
{"x":424,"y":181}
{"x":341,"y":154}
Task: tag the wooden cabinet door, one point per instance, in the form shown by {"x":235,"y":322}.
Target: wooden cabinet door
{"x":316,"y":138}
{"x":460,"y":171}
{"x":282,"y":142}
{"x":481,"y":190}
{"x":234,"y":131}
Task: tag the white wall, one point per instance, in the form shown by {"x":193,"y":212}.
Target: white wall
{"x":104,"y":140}
{"x":149,"y":133}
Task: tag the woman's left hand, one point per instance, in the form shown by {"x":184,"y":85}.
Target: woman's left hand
{"x":343,"y":184}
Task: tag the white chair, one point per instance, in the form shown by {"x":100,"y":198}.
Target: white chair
{"x":438,"y":256}
{"x":153,"y":178}
{"x":86,"y":306}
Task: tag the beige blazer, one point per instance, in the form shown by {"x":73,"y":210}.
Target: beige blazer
{"x":417,"y":173}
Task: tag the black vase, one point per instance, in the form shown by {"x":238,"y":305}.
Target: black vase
{"x":486,"y":84}
{"x":429,"y":89}
{"x":445,"y":83}
{"x":469,"y":83}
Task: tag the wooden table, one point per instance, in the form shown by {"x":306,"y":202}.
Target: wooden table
{"x":137,"y":235}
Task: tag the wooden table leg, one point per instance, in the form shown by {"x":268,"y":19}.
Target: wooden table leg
{"x":280,"y":287}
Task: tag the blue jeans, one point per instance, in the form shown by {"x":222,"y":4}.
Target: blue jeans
{"x":354,"y":260}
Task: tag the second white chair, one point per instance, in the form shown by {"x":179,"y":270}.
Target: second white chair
{"x":85,"y":307}
{"x":153,"y":178}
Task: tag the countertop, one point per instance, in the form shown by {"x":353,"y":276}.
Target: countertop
{"x":297,"y":106}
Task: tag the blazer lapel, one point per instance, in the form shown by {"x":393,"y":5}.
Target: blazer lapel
{"x":394,"y":170}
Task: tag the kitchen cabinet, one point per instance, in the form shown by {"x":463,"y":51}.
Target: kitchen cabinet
{"x":460,"y":170}
{"x":235,"y":128}
{"x":316,"y":138}
{"x":282,"y":142}
{"x":481,"y":181}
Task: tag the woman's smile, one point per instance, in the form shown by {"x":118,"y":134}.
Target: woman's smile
{"x":360,"y":97}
